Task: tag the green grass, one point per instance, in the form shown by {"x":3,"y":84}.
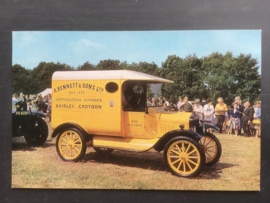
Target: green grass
{"x":41,"y":167}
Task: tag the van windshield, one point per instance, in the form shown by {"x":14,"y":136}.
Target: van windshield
{"x":154,"y":95}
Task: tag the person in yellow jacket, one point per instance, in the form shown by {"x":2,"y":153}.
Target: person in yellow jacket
{"x":220,"y":110}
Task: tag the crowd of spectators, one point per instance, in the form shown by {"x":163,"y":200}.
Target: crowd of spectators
{"x":35,"y":103}
{"x":233,"y":118}
{"x":237,"y":118}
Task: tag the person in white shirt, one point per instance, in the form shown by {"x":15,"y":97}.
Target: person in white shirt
{"x":14,"y":101}
{"x":166,"y":102}
{"x":198,"y":109}
{"x":153,"y":102}
{"x":180,"y":103}
{"x":209,"y":111}
{"x":21,"y":98}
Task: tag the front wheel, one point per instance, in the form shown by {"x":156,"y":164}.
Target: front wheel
{"x":212,"y":148}
{"x":71,"y":145}
{"x":40,"y":134}
{"x":184,"y":156}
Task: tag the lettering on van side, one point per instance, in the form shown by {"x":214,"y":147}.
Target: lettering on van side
{"x":90,"y":106}
{"x":68,"y":106}
{"x":78,"y":85}
{"x":135,"y":123}
{"x":80,"y":99}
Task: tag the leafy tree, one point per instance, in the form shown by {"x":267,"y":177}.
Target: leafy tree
{"x":108,"y":65}
{"x":213,"y":76}
{"x":42,"y":74}
{"x":187,"y":76}
{"x":149,"y":68}
{"x":86,"y":66}
{"x":20,"y":80}
{"x":227,"y":76}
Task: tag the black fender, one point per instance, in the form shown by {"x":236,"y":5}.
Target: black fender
{"x":204,"y":126}
{"x":159,"y":146}
{"x":69,"y":125}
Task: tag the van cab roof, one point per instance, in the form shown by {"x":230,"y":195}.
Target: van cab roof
{"x":106,"y":74}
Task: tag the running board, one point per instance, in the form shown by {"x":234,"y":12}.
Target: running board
{"x":127,"y":144}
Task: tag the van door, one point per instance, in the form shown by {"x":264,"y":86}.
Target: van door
{"x":134,"y":124}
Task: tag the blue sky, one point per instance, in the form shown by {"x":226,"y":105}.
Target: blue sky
{"x":76,"y":47}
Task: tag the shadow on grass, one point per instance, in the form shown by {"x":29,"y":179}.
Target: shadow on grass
{"x":25,"y":147}
{"x":151,"y":161}
{"x":147,"y":160}
{"x":215,"y":171}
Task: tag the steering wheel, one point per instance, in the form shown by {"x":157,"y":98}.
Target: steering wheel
{"x":133,"y":104}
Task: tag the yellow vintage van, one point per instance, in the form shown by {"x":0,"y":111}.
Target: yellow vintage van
{"x":119,"y":110}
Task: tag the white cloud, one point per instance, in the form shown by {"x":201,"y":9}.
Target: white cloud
{"x":25,"y":38}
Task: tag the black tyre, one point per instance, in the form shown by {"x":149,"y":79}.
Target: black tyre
{"x":71,"y":145}
{"x":184,"y":156}
{"x":39,"y":136}
{"x":102,"y":150}
{"x":212,"y":148}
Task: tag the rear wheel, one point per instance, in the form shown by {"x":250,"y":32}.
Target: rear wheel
{"x":40,"y":134}
{"x":184,"y":156}
{"x":71,"y":145}
{"x":212,"y":148}
{"x":102,"y":150}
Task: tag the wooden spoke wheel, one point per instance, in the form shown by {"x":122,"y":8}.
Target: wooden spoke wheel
{"x":212,"y":148}
{"x":71,"y":145}
{"x":184,"y":156}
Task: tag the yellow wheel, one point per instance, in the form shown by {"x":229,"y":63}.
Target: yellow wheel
{"x":184,"y":156}
{"x":212,"y":148}
{"x":71,"y":145}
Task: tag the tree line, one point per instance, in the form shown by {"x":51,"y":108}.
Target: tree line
{"x":213,"y":76}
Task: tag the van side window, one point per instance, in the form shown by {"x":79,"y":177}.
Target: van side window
{"x":133,"y":96}
{"x":111,"y":87}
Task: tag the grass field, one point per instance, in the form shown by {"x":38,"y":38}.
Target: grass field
{"x":41,"y":167}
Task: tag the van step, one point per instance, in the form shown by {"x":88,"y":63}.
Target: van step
{"x":128,"y":144}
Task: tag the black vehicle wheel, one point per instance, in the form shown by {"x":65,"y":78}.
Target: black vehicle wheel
{"x":184,"y":156}
{"x":71,"y":145}
{"x":212,"y":148}
{"x":39,"y":136}
{"x":102,"y":150}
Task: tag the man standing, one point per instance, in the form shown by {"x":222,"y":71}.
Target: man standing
{"x":186,"y":107}
{"x":39,"y":103}
{"x":14,"y":99}
{"x":179,"y":103}
{"x":186,"y":97}
{"x":153,"y":102}
{"x":247,"y":118}
{"x":220,"y":110}
{"x":21,"y":98}
{"x":241,"y":108}
{"x":166,"y":102}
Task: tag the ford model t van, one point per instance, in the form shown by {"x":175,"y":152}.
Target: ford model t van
{"x":111,"y":110}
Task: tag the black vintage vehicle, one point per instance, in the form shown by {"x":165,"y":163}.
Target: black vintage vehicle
{"x":29,"y":123}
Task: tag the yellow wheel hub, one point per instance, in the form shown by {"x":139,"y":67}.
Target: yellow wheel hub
{"x":70,"y":144}
{"x":210,"y":148}
{"x":183,"y":157}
